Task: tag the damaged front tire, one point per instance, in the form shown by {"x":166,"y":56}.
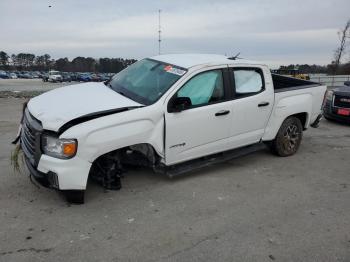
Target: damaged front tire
{"x":107,"y":170}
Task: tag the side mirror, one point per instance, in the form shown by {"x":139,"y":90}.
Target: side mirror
{"x":179,"y":104}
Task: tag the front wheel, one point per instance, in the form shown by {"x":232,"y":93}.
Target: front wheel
{"x":288,"y":138}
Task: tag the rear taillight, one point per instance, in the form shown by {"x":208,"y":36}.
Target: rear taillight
{"x":328,"y":95}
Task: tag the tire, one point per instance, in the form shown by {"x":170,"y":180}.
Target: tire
{"x":327,"y":118}
{"x":75,"y":196}
{"x":288,"y":138}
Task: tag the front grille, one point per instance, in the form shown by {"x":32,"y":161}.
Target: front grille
{"x":30,"y":138}
{"x":341,"y":101}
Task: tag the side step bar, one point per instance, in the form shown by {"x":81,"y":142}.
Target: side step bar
{"x":180,"y":169}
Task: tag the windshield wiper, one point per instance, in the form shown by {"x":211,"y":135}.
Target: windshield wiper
{"x":120,"y":92}
{"x":133,"y":97}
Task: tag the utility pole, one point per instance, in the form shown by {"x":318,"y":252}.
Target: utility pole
{"x":159,"y":32}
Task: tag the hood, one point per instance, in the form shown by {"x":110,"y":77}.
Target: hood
{"x":342,"y":90}
{"x":59,"y":106}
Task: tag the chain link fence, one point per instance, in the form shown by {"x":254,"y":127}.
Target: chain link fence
{"x":330,"y":81}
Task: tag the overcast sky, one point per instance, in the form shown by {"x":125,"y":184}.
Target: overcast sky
{"x":275,"y":31}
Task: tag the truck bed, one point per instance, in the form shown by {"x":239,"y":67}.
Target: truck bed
{"x":284,"y":83}
{"x":294,"y":96}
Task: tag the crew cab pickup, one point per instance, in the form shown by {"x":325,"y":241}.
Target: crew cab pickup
{"x":173,"y":113}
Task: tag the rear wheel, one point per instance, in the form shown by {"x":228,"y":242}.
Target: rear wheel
{"x":75,"y":196}
{"x":288,"y":138}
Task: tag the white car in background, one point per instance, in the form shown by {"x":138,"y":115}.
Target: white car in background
{"x":55,"y":76}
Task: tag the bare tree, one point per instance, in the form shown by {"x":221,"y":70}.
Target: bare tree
{"x":343,"y":34}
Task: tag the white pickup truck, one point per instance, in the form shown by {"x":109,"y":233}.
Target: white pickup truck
{"x":173,"y":113}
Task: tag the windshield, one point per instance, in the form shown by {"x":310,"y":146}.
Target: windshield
{"x":146,"y":81}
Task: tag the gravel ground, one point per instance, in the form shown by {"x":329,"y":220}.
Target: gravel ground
{"x":26,"y":87}
{"x":255,"y":208}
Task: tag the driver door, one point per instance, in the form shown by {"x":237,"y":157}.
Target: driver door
{"x":200,"y":129}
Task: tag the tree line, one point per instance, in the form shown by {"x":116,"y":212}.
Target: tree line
{"x":331,"y":69}
{"x":31,"y":62}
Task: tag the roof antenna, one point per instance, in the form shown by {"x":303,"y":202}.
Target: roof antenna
{"x":159,"y":32}
{"x":235,"y":57}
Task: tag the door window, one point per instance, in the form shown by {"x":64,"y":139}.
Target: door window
{"x":248,"y":82}
{"x":204,"y":88}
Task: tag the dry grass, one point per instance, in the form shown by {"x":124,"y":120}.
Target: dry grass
{"x":17,"y":159}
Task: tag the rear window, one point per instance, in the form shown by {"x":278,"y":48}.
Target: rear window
{"x":247,"y":81}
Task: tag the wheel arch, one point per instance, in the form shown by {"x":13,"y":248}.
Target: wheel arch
{"x":108,"y":168}
{"x":303,"y":117}
{"x":136,"y":147}
{"x":273,"y":127}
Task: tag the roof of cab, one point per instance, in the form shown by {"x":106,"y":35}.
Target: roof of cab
{"x":191,"y":60}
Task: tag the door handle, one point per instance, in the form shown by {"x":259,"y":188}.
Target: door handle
{"x":263,"y":104}
{"x":222,"y":113}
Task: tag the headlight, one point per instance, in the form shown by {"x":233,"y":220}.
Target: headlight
{"x":329,"y":95}
{"x":60,"y":148}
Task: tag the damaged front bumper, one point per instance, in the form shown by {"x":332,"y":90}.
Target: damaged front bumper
{"x":62,"y":174}
{"x":68,"y":174}
{"x":49,"y":180}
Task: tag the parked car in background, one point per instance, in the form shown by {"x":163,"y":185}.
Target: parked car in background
{"x":74,"y":76}
{"x":84,"y":77}
{"x":20,"y":74}
{"x":45,"y":77}
{"x":3,"y":75}
{"x":95,"y":78}
{"x":13,"y":76}
{"x":34,"y":74}
{"x":336,"y":104}
{"x":40,"y":74}
{"x":25,"y":75}
{"x":55,"y":76}
{"x":104,"y":77}
{"x":66,"y":77}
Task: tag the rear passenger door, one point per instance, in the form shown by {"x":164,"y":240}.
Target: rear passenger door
{"x":252,"y":104}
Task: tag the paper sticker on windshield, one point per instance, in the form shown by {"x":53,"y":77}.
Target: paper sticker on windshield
{"x":174,"y":70}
